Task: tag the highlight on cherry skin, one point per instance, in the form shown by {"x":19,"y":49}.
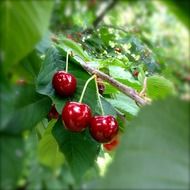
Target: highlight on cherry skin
{"x":76,"y":116}
{"x":64,"y":83}
{"x":103,"y":128}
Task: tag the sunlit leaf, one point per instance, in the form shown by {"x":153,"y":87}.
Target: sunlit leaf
{"x":70,"y":45}
{"x":48,"y":150}
{"x":124,"y":76}
{"x":159,"y":87}
{"x":125,"y":104}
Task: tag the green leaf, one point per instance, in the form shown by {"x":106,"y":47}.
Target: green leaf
{"x":121,"y":73}
{"x":27,"y":69}
{"x":109,"y":89}
{"x":23,"y":108}
{"x":154,"y":152}
{"x":159,"y":87}
{"x":108,"y":108}
{"x":53,"y":62}
{"x":125,"y":104}
{"x":124,"y":76}
{"x":106,"y":35}
{"x":40,"y":128}
{"x":111,"y":61}
{"x":12,"y":158}
{"x":48,"y":150}
{"x":70,"y":45}
{"x":79,"y":149}
{"x":141,"y":50}
{"x":23,"y":23}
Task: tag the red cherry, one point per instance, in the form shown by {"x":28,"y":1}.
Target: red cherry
{"x":64,"y":83}
{"x":53,"y":114}
{"x":112,"y":145}
{"x":103,"y":128}
{"x":76,"y":116}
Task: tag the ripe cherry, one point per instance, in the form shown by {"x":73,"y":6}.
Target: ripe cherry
{"x":64,"y":83}
{"x":76,"y":116}
{"x":103,"y":128}
{"x":112,"y":145}
{"x":53,"y":114}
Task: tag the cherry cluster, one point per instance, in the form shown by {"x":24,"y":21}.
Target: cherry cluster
{"x":77,"y":116}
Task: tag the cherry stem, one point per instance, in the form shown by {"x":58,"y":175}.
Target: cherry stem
{"x":67,"y":62}
{"x":98,"y":96}
{"x":85,"y":86}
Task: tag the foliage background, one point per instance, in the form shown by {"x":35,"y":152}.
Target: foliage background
{"x":149,"y":36}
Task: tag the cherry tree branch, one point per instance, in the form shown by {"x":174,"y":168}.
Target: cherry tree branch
{"x":121,"y":87}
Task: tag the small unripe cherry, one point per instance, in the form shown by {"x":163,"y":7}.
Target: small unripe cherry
{"x":64,"y":83}
{"x":135,"y":73}
{"x":101,"y":86}
{"x":53,"y":114}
